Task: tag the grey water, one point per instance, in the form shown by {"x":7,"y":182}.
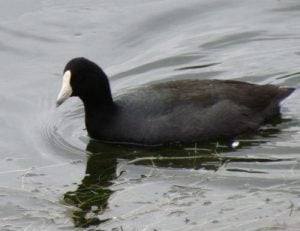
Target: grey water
{"x":53,"y":177}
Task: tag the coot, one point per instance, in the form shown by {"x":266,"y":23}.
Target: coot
{"x":184,"y":111}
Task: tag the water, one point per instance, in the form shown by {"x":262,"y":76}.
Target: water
{"x":48,"y":164}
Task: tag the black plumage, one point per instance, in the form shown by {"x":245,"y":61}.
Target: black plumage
{"x":183,"y":111}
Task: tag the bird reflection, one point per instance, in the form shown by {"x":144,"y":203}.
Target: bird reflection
{"x":92,"y":195}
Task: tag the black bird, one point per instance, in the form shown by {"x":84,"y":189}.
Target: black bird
{"x":183,"y":111}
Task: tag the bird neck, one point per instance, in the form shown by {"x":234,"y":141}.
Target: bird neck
{"x":97,"y":106}
{"x":99,"y":114}
{"x":98,"y":102}
{"x":97,"y":94}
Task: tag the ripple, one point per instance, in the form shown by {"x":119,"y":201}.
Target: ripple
{"x":161,"y":63}
{"x":65,"y":131}
{"x":232,"y":39}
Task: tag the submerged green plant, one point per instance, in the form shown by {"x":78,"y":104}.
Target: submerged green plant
{"x":91,"y":196}
{"x":89,"y":199}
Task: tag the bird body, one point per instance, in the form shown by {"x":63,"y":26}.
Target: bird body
{"x":182,"y":111}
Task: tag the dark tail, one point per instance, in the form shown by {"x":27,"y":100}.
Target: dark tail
{"x":284,"y":92}
{"x":272,"y":112}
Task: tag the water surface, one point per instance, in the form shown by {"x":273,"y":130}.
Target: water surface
{"x":53,"y":177}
